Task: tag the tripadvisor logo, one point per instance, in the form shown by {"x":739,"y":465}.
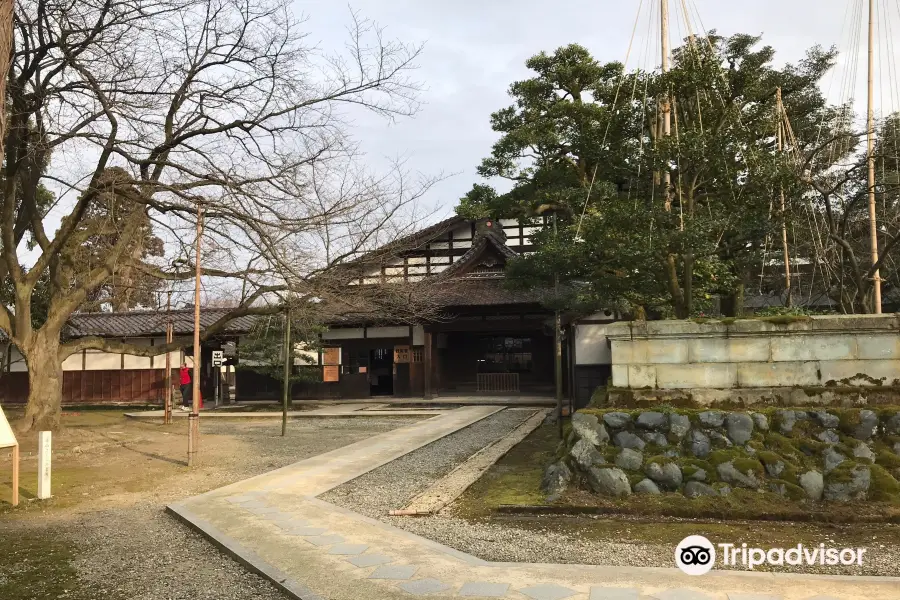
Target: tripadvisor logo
{"x":696,"y":555}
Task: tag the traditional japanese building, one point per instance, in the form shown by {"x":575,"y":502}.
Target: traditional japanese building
{"x":486,"y":338}
{"x":96,"y":377}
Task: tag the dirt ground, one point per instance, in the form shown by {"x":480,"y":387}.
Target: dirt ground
{"x":104,"y":532}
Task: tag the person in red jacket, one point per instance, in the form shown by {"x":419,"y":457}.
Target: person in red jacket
{"x":186,"y":388}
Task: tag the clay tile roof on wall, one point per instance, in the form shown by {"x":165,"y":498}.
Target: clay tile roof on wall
{"x":145,"y":323}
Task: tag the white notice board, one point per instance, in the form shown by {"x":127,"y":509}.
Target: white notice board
{"x":7,"y":438}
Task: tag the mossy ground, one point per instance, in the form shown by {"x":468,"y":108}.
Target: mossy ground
{"x":38,"y":564}
{"x":765,"y":518}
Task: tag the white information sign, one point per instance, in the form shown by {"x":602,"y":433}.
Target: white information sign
{"x":7,"y":439}
{"x":218,"y":357}
{"x":44,"y":448}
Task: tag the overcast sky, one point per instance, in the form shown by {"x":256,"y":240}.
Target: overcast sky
{"x":475,"y":49}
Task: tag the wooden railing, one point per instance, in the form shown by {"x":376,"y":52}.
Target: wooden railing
{"x":498,"y":382}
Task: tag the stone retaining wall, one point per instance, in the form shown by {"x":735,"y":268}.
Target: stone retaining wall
{"x":751,"y":359}
{"x":835,"y":455}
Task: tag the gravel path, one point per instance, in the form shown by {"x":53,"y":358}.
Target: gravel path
{"x":129,"y":549}
{"x":392,"y":486}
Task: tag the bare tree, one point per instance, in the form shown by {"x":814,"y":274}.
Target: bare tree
{"x":220,"y":106}
{"x":834,"y":220}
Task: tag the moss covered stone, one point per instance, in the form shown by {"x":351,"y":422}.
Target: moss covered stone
{"x":887,"y":459}
{"x":718,"y":457}
{"x":882,"y":487}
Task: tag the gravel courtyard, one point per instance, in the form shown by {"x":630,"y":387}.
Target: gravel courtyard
{"x":105,"y":535}
{"x":613,"y":541}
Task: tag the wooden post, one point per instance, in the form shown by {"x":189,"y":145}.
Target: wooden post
{"x":15,"y":475}
{"x":167,"y":410}
{"x":194,"y":417}
{"x":426,"y":367}
{"x":870,"y":142}
{"x":666,"y":103}
{"x":784,"y":236}
{"x":288,"y":359}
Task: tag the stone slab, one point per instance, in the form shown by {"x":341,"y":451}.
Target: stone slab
{"x":398,"y":572}
{"x":706,"y":375}
{"x":878,"y":346}
{"x":620,"y":376}
{"x":481,"y":589}
{"x":348,"y":549}
{"x":305,"y":531}
{"x":605,"y":593}
{"x":665,"y":351}
{"x":421,"y":587}
{"x":548,"y":591}
{"x":777,"y":374}
{"x":682,"y":594}
{"x":793,"y":348}
{"x":369,"y":560}
{"x":326,"y":540}
{"x":734,"y":596}
{"x":641,"y":376}
{"x":836,"y":370}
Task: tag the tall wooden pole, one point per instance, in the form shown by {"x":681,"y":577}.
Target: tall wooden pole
{"x":167,"y":416}
{"x":288,"y":359}
{"x":194,"y":417}
{"x":779,"y":104}
{"x":870,"y":126}
{"x":667,"y":102}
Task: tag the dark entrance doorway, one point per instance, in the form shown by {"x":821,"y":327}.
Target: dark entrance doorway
{"x":381,"y":371}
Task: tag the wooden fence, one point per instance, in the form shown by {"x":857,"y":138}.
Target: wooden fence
{"x":498,"y":382}
{"x":126,"y":386}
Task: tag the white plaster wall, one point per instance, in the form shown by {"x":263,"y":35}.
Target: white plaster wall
{"x":139,"y":362}
{"x":94,"y":360}
{"x":73,"y":363}
{"x":344,"y":334}
{"x":387,"y":332}
{"x":591,"y":346}
{"x":418,"y":335}
{"x":16,"y":361}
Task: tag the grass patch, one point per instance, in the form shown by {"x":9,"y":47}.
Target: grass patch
{"x":515,"y":478}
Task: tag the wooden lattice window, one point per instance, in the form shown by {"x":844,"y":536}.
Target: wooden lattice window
{"x":417,"y":355}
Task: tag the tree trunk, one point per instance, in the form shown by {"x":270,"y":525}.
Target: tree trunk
{"x":675,"y":288}
{"x":45,"y":380}
{"x":688,"y":284}
{"x":733,"y":303}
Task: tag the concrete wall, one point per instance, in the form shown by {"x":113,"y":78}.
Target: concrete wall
{"x":848,"y":350}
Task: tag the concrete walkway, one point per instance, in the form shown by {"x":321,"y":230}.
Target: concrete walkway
{"x":276,"y":526}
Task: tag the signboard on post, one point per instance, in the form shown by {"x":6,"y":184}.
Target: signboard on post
{"x":44,"y":449}
{"x":330,"y":373}
{"x":218,"y":358}
{"x":401,"y":355}
{"x":8,"y":440}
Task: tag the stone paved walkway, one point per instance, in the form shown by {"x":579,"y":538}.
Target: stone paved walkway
{"x":314,"y":550}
